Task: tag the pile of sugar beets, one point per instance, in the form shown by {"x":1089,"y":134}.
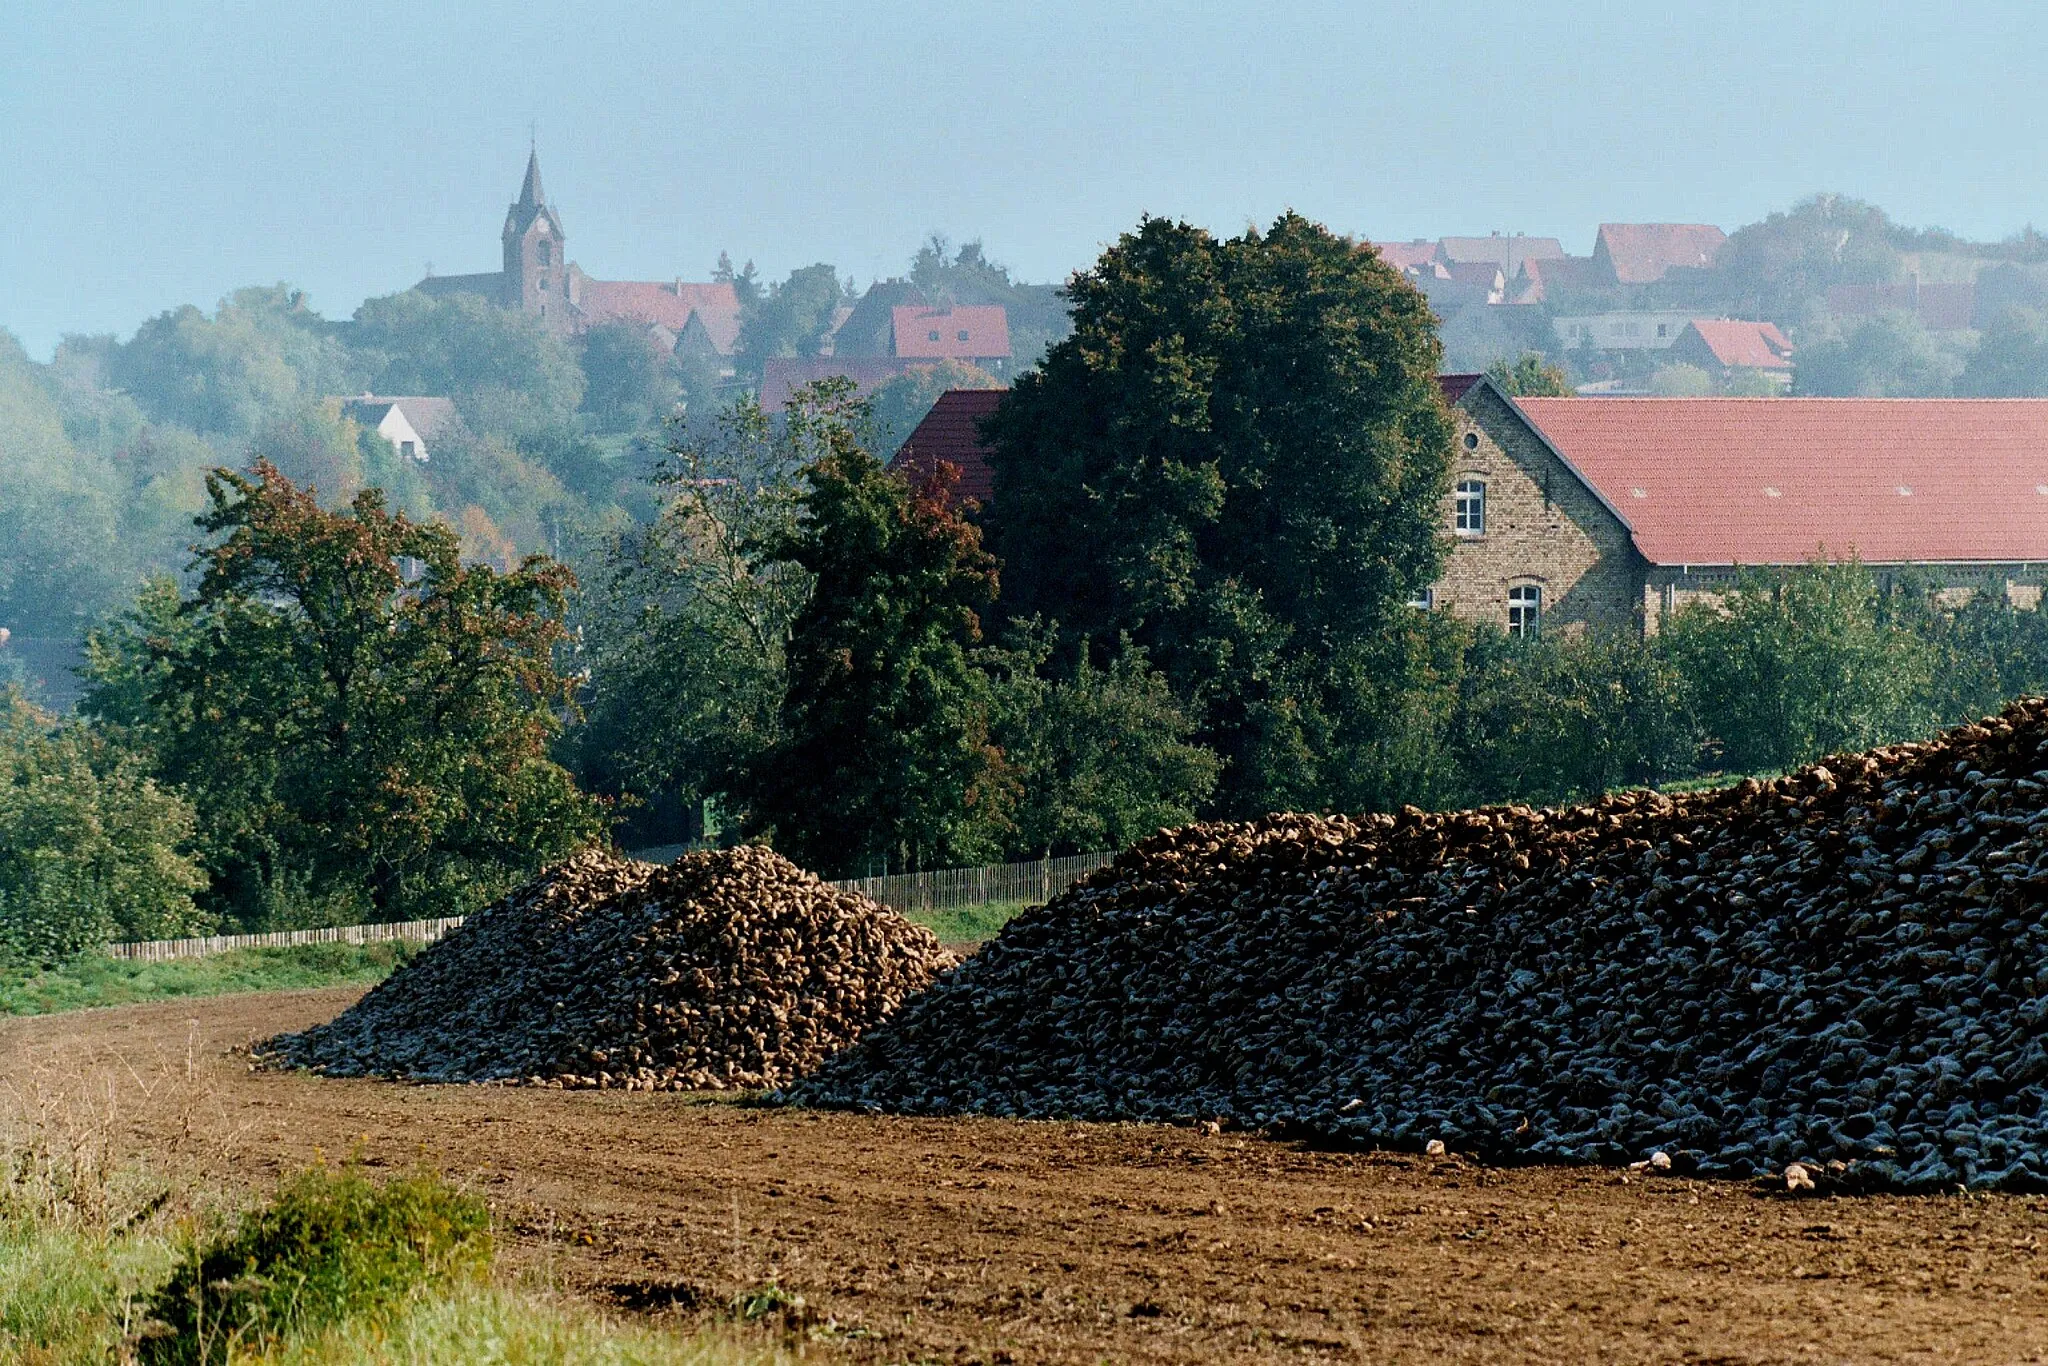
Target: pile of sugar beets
{"x":730,"y":968}
{"x":1846,"y":969}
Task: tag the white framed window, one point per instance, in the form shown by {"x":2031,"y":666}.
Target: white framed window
{"x":1425,"y":601}
{"x":1525,"y":610}
{"x":410,"y":450}
{"x":1468,"y":515}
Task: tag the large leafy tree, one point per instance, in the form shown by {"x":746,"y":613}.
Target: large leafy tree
{"x":686,"y":628}
{"x":361,"y":719}
{"x":792,"y":318}
{"x":1236,"y":460}
{"x":884,"y":754}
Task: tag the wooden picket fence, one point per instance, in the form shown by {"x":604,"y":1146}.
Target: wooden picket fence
{"x":412,"y":931}
{"x":942,"y":889}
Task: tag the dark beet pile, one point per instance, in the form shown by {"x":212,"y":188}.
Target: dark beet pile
{"x":1845,"y":968}
{"x":725,"y":969}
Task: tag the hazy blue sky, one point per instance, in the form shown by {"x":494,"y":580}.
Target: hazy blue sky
{"x":161,"y":153}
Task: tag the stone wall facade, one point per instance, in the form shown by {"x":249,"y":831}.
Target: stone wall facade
{"x":1543,"y":527}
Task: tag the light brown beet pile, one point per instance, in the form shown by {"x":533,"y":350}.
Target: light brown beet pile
{"x":731,"y":968}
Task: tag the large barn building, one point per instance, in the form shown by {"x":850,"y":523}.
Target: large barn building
{"x":1568,"y":513}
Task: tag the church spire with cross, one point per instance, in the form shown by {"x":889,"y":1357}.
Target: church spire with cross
{"x":536,"y":263}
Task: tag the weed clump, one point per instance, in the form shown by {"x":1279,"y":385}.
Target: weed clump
{"x":329,"y":1246}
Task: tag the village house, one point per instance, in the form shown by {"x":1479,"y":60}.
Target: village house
{"x":890,"y":332}
{"x":1726,"y":347}
{"x":410,"y":423}
{"x":1566,"y":513}
{"x":1569,"y":513}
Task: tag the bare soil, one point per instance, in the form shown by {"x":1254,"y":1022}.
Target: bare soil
{"x":996,"y":1241}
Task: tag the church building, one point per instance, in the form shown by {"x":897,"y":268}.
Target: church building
{"x":538,"y":277}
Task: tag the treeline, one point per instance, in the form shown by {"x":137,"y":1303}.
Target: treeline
{"x":1190,"y":597}
{"x":104,"y":451}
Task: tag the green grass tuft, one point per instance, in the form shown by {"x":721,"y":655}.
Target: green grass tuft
{"x":95,"y":980}
{"x":328,"y":1247}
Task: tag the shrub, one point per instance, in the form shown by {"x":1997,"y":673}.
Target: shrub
{"x":327,"y":1247}
{"x":90,"y":848}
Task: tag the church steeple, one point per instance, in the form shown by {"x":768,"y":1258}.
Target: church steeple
{"x":537,"y":277}
{"x":531,"y":196}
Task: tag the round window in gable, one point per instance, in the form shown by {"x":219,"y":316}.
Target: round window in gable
{"x":1471,"y":441}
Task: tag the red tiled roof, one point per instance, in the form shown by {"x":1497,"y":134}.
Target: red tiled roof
{"x":969,"y":332}
{"x":1404,"y":255}
{"x":1641,"y":253}
{"x":669,"y":304}
{"x":951,"y":432}
{"x":1774,"y":481}
{"x":1744,"y":345}
{"x":782,"y":376}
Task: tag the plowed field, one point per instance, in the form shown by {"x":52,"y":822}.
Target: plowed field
{"x":992,"y":1241}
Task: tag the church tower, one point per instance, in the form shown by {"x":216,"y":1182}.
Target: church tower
{"x":536,"y":266}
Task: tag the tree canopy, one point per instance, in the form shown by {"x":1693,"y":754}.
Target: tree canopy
{"x":1235,"y":460}
{"x":361,"y":719}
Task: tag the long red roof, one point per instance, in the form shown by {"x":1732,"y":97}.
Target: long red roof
{"x":1774,"y":481}
{"x":951,"y":431}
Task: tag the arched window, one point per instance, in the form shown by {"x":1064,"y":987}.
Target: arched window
{"x":547,"y":252}
{"x":1469,"y":517}
{"x":1525,"y":610}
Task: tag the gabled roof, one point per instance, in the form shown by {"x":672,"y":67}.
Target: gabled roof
{"x":866,"y":331}
{"x":1743,"y":345}
{"x":1642,"y":253}
{"x":668,"y":304}
{"x":1406,"y":255}
{"x":1776,"y":481}
{"x":1456,"y":387}
{"x":951,"y":432}
{"x":968,"y":332}
{"x":429,"y":417}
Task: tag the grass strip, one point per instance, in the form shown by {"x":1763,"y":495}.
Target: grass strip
{"x":96,"y":980}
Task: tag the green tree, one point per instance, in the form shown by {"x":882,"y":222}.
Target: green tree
{"x":1790,"y":666}
{"x":1681,"y":381}
{"x":630,"y":381}
{"x":361,"y":719}
{"x":1236,"y":459}
{"x":687,"y":628}
{"x":789,"y":319}
{"x":262,"y":351}
{"x":1889,"y":355}
{"x":1530,"y":375}
{"x":884,"y":754}
{"x":1551,"y":719}
{"x":510,"y":374}
{"x":91,"y":849}
{"x":1102,"y":757}
{"x":2011,"y":359}
{"x":62,"y":559}
{"x":1783,"y":267}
